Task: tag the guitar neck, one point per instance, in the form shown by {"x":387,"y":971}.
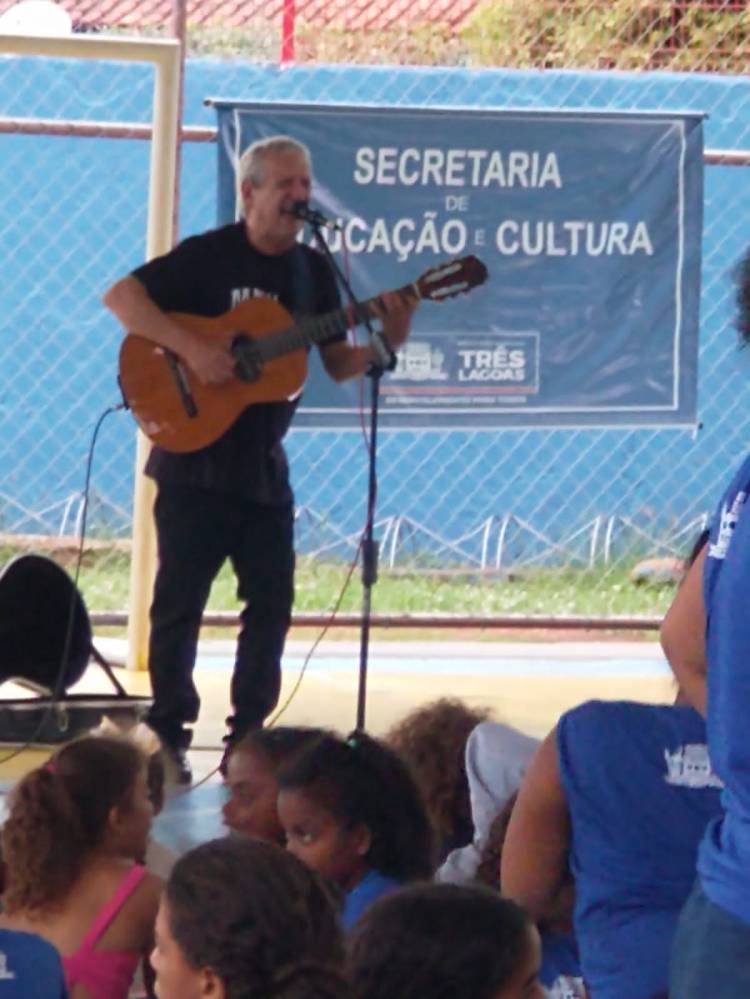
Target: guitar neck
{"x":320,"y":329}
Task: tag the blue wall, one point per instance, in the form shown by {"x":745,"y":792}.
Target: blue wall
{"x":73,"y":214}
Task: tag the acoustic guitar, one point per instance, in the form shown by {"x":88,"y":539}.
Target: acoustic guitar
{"x":179,"y":413}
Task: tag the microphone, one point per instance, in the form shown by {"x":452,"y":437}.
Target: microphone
{"x":302,"y":211}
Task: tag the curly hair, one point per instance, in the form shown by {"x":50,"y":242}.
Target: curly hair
{"x":432,"y":742}
{"x":265,"y":924}
{"x":437,"y":940}
{"x":58,"y":816}
{"x":360,"y":780}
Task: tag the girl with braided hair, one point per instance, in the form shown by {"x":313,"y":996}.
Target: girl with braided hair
{"x":352,"y":812}
{"x":73,"y":826}
{"x":243,"y":919}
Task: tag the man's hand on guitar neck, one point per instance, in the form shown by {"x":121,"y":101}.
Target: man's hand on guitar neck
{"x":395,"y":316}
{"x":343,"y":360}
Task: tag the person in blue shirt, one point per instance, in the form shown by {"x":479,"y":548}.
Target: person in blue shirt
{"x":608,"y":820}
{"x":706,"y":637}
{"x":352,"y":812}
{"x":30,"y":967}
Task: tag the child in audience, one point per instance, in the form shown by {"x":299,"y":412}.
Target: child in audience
{"x":432,"y":742}
{"x":251,"y":784}
{"x":496,"y":758}
{"x":560,"y":971}
{"x":443,"y":941}
{"x":243,"y":918}
{"x":159,"y":858}
{"x":352,"y":811}
{"x":72,"y":827}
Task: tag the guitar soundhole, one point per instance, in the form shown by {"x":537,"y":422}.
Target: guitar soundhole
{"x":247,"y":357}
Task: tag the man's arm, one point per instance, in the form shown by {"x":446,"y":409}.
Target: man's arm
{"x":138,"y":313}
{"x":343,"y":360}
{"x":683,"y":635}
{"x":534,"y":863}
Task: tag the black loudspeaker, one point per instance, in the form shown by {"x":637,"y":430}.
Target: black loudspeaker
{"x":43,"y":620}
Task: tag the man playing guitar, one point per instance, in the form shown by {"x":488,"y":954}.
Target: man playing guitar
{"x":232,"y":498}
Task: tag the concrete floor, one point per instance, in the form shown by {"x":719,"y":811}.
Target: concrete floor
{"x":525,"y":684}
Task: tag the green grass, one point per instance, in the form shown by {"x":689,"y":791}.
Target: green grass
{"x":558,"y":592}
{"x":604,"y":591}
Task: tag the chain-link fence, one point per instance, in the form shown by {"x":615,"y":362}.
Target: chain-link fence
{"x":676,"y":35}
{"x":512,"y":522}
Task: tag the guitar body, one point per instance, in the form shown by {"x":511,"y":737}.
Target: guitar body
{"x":180,"y":413}
{"x":269,"y":347}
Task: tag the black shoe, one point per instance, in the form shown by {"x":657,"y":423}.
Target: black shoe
{"x":177,"y":764}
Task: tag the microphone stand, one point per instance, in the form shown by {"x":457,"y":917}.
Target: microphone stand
{"x":384,"y":360}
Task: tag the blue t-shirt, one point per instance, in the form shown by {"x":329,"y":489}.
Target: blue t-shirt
{"x":560,"y":973}
{"x":640,"y":793}
{"x":369,"y":890}
{"x":724,"y":857}
{"x":30,"y":968}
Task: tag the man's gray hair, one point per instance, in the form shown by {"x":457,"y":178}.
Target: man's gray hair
{"x":252,"y":164}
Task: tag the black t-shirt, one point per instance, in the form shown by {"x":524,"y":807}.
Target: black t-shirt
{"x":207,"y":275}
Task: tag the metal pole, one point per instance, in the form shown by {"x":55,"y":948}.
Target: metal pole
{"x":287,"y":32}
{"x":179,"y":32}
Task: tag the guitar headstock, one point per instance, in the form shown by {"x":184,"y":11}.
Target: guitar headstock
{"x":455,"y":277}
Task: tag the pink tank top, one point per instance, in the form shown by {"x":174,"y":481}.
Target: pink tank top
{"x":106,"y":974}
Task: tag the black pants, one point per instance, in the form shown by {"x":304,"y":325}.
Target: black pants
{"x":196,"y":531}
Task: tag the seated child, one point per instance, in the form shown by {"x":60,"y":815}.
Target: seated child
{"x":560,"y":971}
{"x":496,"y":758}
{"x":252,"y":767}
{"x":73,"y":827}
{"x":242,"y":917}
{"x":158,"y":858}
{"x":441,"y":941}
{"x":431,"y":740}
{"x":352,"y":811}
